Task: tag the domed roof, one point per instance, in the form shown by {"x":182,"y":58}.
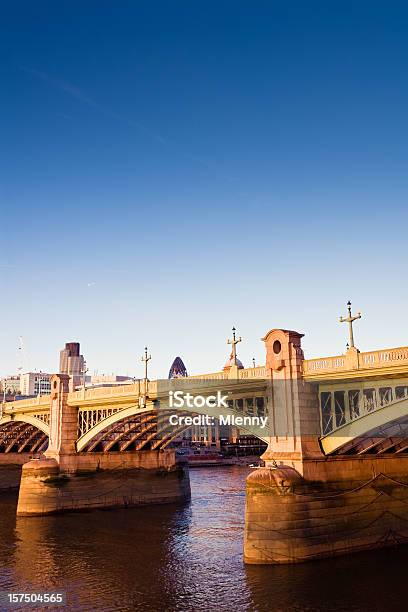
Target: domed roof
{"x":178,"y":369}
{"x":230,"y":362}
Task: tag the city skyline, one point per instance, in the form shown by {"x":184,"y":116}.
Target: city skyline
{"x":192,"y":169}
{"x":138,"y":372}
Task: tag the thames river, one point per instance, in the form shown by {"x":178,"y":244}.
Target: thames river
{"x":184,"y":558}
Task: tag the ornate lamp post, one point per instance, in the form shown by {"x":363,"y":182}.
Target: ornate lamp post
{"x":84,"y":371}
{"x":39,"y":384}
{"x":350,"y":320}
{"x":234,"y":341}
{"x":145,"y":359}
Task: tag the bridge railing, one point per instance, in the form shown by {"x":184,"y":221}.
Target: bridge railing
{"x":324,"y":364}
{"x":129,"y":390}
{"x":210,"y":376}
{"x":41,"y":403}
{"x":384,"y":357}
{"x":258,"y":372}
{"x":245,"y":373}
{"x":357,"y":361}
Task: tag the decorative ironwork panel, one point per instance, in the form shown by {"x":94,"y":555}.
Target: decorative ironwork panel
{"x":89,"y":418}
{"x":326,"y":412}
{"x":43,"y":416}
{"x":339,"y":408}
{"x":354,"y":403}
{"x":385,"y":395}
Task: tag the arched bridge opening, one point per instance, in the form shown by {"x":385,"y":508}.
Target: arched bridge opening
{"x":26,"y":435}
{"x":372,"y":419}
{"x":150,"y":428}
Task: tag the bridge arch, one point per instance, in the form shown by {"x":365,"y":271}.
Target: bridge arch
{"x":155,"y":418}
{"x":107,"y":423}
{"x":28,"y":433}
{"x":377,"y":425}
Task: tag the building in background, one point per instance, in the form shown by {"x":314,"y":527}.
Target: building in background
{"x":11,"y":385}
{"x":72,"y":363}
{"x":230,"y":362}
{"x":178,"y":369}
{"x":35,"y":383}
{"x":100,"y":380}
{"x":244,"y":445}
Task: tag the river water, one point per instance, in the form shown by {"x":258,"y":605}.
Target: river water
{"x":184,"y":558}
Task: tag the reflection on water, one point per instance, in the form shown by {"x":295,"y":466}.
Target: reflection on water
{"x":183,"y":558}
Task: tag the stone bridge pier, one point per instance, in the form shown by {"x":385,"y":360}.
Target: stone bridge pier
{"x":306,"y":504}
{"x":64,"y":479}
{"x":17,"y":439}
{"x":10,"y":470}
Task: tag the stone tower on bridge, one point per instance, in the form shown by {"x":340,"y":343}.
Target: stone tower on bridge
{"x":294,"y":418}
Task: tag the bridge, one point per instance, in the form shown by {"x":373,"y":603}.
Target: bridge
{"x":132,"y":417}
{"x":363,"y":400}
{"x":336,"y":427}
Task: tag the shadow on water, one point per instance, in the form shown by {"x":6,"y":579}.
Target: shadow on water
{"x":183,"y":558}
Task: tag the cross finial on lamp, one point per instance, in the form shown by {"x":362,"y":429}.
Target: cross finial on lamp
{"x":146,"y":358}
{"x":350,"y":320}
{"x":234,"y":343}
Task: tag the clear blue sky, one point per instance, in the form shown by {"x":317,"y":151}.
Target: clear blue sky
{"x":170,"y":169}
